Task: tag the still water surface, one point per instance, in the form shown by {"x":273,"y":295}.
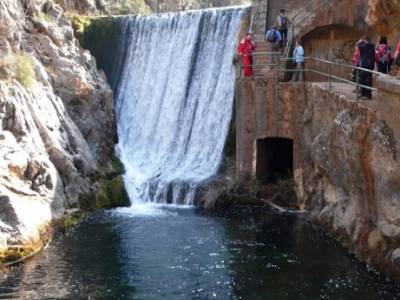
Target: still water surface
{"x":184,"y":253}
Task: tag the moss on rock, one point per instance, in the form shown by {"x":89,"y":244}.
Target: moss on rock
{"x":112,"y":193}
{"x":71,"y":220}
{"x":80,"y":23}
{"x":101,"y":35}
{"x":15,"y":254}
{"x":118,"y":166}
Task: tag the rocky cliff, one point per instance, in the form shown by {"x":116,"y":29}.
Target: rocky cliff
{"x":118,"y":7}
{"x":384,"y":16}
{"x":347,"y":173}
{"x":57,"y":127}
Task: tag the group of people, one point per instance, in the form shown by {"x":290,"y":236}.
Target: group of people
{"x":277,"y":36}
{"x":366,"y":56}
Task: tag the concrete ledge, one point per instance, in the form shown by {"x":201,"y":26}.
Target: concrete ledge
{"x":389,"y":84}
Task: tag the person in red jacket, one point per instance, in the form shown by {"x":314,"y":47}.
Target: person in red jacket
{"x":245,"y":50}
{"x":383,"y":56}
{"x":397,"y":60}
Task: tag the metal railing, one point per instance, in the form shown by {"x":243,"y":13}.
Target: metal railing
{"x":331,"y":75}
{"x":252,"y":22}
{"x":300,"y":17}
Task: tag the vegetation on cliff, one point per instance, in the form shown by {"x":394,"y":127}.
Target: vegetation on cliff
{"x":18,"y":66}
{"x":122,"y":7}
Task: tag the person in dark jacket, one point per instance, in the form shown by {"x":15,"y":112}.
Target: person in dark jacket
{"x":367,"y":61}
{"x":282,"y":26}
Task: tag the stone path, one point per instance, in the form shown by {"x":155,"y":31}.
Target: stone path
{"x":346,"y":90}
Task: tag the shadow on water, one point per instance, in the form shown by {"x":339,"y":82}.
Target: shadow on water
{"x":171,"y":253}
{"x":285,"y":257}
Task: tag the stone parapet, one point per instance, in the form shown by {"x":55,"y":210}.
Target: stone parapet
{"x":389,"y":104}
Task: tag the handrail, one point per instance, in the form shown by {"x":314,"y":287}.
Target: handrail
{"x":294,"y":23}
{"x":252,"y":22}
{"x":341,"y":65}
{"x":329,"y":75}
{"x":267,"y":53}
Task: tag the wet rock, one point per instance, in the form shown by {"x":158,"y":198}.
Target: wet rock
{"x":57,"y":131}
{"x":396,"y":256}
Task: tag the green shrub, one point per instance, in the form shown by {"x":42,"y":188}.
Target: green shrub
{"x":45,"y":17}
{"x":124,"y":7}
{"x":79,"y":23}
{"x":24,"y":70}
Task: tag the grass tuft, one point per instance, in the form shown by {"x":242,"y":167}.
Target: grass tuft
{"x":24,"y":70}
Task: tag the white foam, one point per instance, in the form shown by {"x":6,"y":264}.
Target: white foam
{"x":174,"y":102}
{"x":150,"y":209}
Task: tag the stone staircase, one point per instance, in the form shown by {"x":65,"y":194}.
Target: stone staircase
{"x":260,"y":59}
{"x":261,"y":13}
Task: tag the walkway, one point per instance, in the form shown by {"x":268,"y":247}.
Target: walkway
{"x":346,"y":90}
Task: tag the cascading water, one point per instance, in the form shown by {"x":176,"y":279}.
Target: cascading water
{"x":175,"y":100}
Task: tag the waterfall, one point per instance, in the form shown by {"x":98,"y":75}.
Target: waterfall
{"x":174,"y":101}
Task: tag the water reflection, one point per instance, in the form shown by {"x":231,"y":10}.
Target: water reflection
{"x":190,"y":254}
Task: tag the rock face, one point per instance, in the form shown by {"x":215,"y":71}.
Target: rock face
{"x":384,"y":15}
{"x":81,"y":6}
{"x":347,"y":175}
{"x":142,"y":6}
{"x":57,"y":124}
{"x":173,"y":5}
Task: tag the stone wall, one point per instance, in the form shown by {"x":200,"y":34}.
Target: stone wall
{"x":335,"y":43}
{"x":345,"y":153}
{"x":348,"y":175}
{"x":356,"y":17}
{"x":264,"y":109}
{"x":345,"y":156}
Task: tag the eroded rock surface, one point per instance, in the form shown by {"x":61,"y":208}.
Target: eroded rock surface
{"x":57,"y":124}
{"x":348,"y":176}
{"x":384,"y":15}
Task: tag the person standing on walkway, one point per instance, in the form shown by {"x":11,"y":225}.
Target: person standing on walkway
{"x":274,"y":36}
{"x":282,"y":26}
{"x":355,"y":61}
{"x":298,"y":55}
{"x":383,"y":56}
{"x":367,"y":61}
{"x":397,"y":59}
{"x":245,"y":50}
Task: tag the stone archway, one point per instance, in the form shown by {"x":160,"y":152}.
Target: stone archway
{"x":332,"y":42}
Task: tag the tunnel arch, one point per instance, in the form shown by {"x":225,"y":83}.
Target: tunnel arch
{"x":334,"y":42}
{"x":274,"y":159}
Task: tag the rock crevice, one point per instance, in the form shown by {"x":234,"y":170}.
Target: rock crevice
{"x":57,"y":123}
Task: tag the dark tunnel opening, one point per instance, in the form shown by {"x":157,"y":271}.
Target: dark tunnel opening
{"x":274,"y":159}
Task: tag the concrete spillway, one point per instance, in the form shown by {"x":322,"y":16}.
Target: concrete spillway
{"x":174,"y":101}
